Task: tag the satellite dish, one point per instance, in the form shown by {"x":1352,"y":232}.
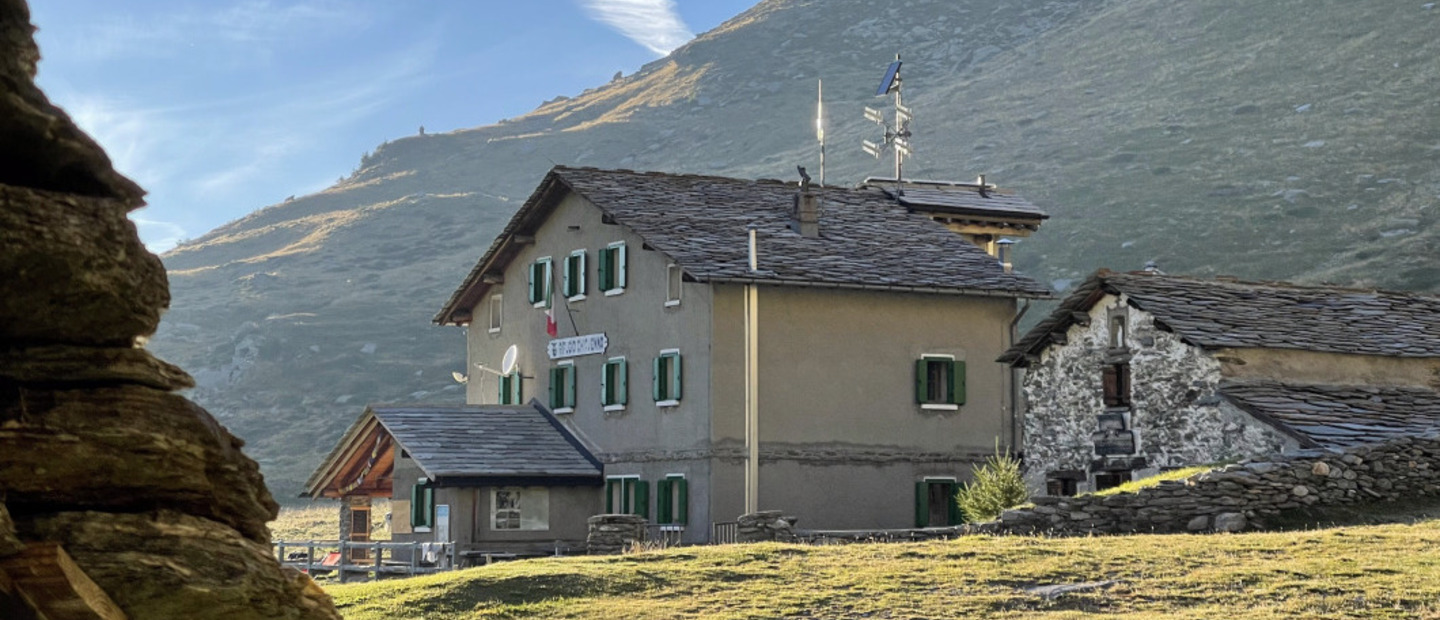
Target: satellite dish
{"x":507,"y":363}
{"x":459,"y":378}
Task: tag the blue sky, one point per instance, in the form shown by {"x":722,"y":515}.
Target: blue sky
{"x":221,"y":107}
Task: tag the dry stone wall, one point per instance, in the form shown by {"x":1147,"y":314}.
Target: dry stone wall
{"x":610,"y":534}
{"x":1242,"y":496}
{"x":1177,"y":415}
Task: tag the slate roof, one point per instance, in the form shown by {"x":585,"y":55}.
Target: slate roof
{"x":700,"y":222}
{"x":1327,"y":416}
{"x":1219,"y":313}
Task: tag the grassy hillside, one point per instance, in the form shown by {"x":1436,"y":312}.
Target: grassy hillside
{"x":1287,"y":139}
{"x":1389,"y":571}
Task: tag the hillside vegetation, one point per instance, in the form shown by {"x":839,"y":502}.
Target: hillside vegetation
{"x":1284,"y":139}
{"x":1388,"y":571}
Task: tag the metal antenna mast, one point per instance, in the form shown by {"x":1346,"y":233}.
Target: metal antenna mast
{"x":820,"y":125}
{"x":897,"y":134}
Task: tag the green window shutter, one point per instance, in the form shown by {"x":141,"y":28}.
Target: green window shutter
{"x":606,"y":396}
{"x":603,"y":270}
{"x":621,"y":267}
{"x":610,"y":496}
{"x":622,"y":389}
{"x":422,"y":505}
{"x":655,"y":378}
{"x":957,"y":383}
{"x":517,"y":388}
{"x":570,"y":387}
{"x":675,"y":377}
{"x":922,"y":504}
{"x":662,"y":501}
{"x":682,"y":497}
{"x":642,"y":499}
{"x":956,"y":516}
{"x":922,"y":388}
{"x":530,"y":283}
{"x":582,"y":284}
{"x":503,"y":391}
{"x":565,"y":280}
{"x":549,"y":282}
{"x":552,"y":391}
{"x":415,"y":498}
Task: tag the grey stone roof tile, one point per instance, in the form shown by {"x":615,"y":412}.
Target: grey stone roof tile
{"x":449,"y":441}
{"x":1339,"y":415}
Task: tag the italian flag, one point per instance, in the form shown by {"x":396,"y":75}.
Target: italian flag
{"x":550,"y":326}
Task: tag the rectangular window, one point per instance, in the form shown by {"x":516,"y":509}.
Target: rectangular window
{"x":422,"y":505}
{"x":615,"y":384}
{"x":520,"y":508}
{"x":510,"y":389}
{"x":674,"y":277}
{"x":666,"y":378}
{"x":562,"y":387}
{"x":612,"y":269}
{"x":935,"y":504}
{"x":573,"y":282}
{"x":540,"y":282}
{"x":939,"y":382}
{"x":672,"y":500}
{"x":496,"y":308}
{"x":1118,"y":327}
{"x":627,"y":495}
{"x":1116,"y":381}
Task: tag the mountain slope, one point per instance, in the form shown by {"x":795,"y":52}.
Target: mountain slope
{"x":1279,"y":140}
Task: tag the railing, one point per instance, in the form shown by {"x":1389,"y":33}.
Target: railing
{"x":664,"y":535}
{"x":724,"y":532}
{"x":364,"y":559}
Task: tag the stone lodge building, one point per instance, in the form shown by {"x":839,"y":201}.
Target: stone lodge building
{"x":1139,"y":372}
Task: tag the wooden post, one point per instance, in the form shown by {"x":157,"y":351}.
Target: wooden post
{"x":377,"y":560}
{"x":310,"y":559}
{"x":343,"y":556}
{"x":280,"y":550}
{"x":414,"y":559}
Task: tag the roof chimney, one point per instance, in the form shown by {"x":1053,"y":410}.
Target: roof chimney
{"x":805,"y":214}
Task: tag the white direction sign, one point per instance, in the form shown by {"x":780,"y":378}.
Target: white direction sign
{"x":589,"y":344}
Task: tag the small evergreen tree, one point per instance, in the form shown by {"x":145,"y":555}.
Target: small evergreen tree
{"x":996,"y":486}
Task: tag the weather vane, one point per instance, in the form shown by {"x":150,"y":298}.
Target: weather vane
{"x":897,"y":134}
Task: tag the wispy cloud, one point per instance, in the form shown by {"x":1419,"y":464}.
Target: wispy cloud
{"x":253,"y":24}
{"x":654,"y":24}
{"x":158,"y":236}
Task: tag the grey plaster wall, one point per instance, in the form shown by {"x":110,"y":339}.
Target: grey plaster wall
{"x":1177,"y":415}
{"x":569,"y":509}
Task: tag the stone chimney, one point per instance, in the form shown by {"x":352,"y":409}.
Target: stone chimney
{"x":805,"y":214}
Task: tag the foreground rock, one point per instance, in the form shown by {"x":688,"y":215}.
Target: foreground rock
{"x":99,"y":461}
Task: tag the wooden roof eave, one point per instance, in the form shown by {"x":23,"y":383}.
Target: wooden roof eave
{"x":502,"y":250}
{"x":333,"y":461}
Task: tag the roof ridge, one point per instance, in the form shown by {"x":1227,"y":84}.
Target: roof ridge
{"x":1281,"y":284}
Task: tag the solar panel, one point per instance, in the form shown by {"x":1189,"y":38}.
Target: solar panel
{"x":889,"y":82}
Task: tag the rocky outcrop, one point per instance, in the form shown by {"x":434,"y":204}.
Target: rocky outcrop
{"x":765,"y":525}
{"x":150,"y":495}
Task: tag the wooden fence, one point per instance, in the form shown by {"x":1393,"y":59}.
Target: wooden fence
{"x":367,"y":560}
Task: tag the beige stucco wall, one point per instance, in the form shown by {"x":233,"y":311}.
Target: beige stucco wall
{"x":842,"y":438}
{"x":637,"y":324}
{"x":1328,"y":368}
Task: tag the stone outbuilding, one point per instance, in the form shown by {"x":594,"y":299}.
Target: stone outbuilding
{"x":1140,"y":372}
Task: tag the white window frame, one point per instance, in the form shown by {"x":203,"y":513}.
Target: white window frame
{"x":624,"y":498}
{"x":497,"y":313}
{"x":549,"y":263}
{"x":623,"y":364}
{"x":673,"y":402}
{"x":571,"y":365}
{"x":938,"y":406}
{"x":584,"y":267}
{"x":621,"y":267}
{"x":673,"y":271}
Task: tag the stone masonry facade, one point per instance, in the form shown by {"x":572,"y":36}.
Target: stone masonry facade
{"x":1176,"y":415}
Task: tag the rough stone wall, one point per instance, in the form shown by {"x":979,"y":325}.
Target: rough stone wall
{"x":146,"y":491}
{"x":614,"y":533}
{"x":1242,"y":496}
{"x":1176,"y":413}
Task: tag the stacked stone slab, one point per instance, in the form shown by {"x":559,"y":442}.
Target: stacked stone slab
{"x":765,"y":525}
{"x":610,"y":534}
{"x":149,"y":494}
{"x":1242,"y":496}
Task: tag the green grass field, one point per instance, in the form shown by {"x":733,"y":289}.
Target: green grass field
{"x":1377,"y":571}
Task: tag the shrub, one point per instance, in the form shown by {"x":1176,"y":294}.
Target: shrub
{"x":995,"y":486}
